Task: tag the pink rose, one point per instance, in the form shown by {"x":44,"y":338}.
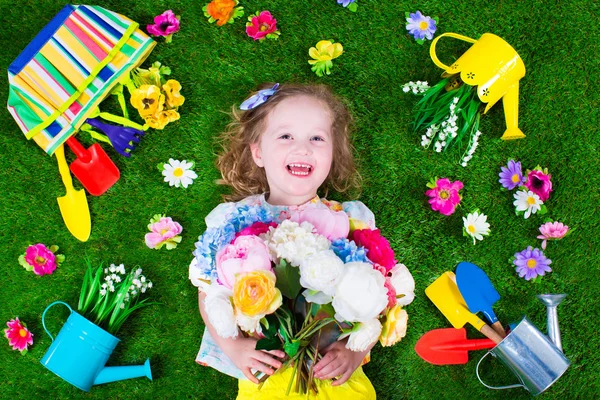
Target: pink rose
{"x":245,"y":254}
{"x":331,"y":224}
{"x":41,"y":259}
{"x":378,"y":248}
{"x":539,"y":183}
{"x":256,"y":229}
{"x":444,"y":196}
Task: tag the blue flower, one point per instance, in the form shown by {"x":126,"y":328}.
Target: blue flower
{"x":259,"y":98}
{"x":420,"y":26}
{"x":347,"y":251}
{"x":345,"y":2}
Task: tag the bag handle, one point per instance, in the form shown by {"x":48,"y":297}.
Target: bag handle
{"x":434,"y":57}
{"x":46,"y":310}
{"x":516,"y":385}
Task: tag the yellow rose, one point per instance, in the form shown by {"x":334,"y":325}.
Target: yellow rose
{"x":148,"y":100}
{"x":394,"y":328}
{"x":255,"y":293}
{"x":174,"y":98}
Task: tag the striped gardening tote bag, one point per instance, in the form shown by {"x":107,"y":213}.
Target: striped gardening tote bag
{"x":73,"y":64}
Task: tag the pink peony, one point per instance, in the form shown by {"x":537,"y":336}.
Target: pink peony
{"x":444,"y":196}
{"x":539,"y":183}
{"x":41,"y":259}
{"x":331,"y":224}
{"x":552,"y":231}
{"x":164,"y":231}
{"x":256,"y":229}
{"x":261,"y":25}
{"x":245,"y":254}
{"x":18,"y":335}
{"x":378,"y":248}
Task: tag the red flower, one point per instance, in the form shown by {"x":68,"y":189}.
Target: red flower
{"x":261,"y":25}
{"x":257,"y":228}
{"x":378,"y":248}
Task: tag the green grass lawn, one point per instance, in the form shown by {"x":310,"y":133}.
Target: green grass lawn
{"x":218,"y":66}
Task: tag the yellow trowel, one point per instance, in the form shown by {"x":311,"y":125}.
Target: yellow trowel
{"x":73,"y":206}
{"x":444,"y":293}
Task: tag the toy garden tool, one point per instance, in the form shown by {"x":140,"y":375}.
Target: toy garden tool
{"x":94,"y":169}
{"x":73,"y":206}
{"x":495,"y":68}
{"x":80,"y":57}
{"x":551,"y":301}
{"x":444,"y":293}
{"x":449,"y":346}
{"x":478,"y":292}
{"x":80,"y":350}
{"x":122,"y":138}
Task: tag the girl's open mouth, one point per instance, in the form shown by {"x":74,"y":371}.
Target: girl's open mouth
{"x":299,"y":169}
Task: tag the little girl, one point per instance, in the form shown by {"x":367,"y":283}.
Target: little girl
{"x":285,"y":143}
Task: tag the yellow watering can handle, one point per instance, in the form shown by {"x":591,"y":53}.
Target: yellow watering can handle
{"x":434,"y":57}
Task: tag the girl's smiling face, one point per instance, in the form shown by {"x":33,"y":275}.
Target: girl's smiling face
{"x":295,"y":149}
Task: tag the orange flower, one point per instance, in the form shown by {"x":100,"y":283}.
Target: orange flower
{"x":222,"y":11}
{"x":255,"y":293}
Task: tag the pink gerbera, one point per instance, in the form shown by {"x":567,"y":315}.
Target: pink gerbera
{"x":18,"y":335}
{"x":444,"y":196}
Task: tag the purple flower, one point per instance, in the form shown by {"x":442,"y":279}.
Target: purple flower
{"x":345,"y":2}
{"x":420,"y":26}
{"x":511,"y":175}
{"x":531,"y":262}
{"x":259,"y":98}
{"x":165,"y":24}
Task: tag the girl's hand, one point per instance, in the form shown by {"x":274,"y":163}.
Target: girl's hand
{"x":242,"y":351}
{"x":338,"y":360}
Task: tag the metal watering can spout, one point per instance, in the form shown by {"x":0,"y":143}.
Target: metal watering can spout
{"x":113,"y":374}
{"x":551,"y":301}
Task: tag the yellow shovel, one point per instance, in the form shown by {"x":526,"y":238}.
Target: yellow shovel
{"x":445,"y":295}
{"x":73,"y":206}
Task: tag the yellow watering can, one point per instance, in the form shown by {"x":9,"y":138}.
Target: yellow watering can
{"x":496,"y":68}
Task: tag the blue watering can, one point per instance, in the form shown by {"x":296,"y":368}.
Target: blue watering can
{"x":80,"y":351}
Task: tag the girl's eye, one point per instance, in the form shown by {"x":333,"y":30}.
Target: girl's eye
{"x":285,"y":136}
{"x":317,"y":138}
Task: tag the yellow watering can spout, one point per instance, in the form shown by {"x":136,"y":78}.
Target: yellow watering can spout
{"x":495,"y":68}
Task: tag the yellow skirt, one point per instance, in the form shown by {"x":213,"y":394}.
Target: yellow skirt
{"x":358,"y":387}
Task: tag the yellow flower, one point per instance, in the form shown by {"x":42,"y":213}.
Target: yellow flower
{"x":160,"y":120}
{"x":174,"y":98}
{"x":148,"y":100}
{"x":255,"y":293}
{"x":325,"y":51}
{"x":394,"y":328}
{"x":357,"y":224}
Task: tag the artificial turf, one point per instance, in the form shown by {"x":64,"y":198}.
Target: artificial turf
{"x":218,"y":67}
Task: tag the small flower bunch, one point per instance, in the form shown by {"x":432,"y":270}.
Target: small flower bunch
{"x":420,"y":26}
{"x":533,"y":189}
{"x":345,"y":281}
{"x":178,"y":173}
{"x":18,"y":335}
{"x":165,"y":24}
{"x":163,"y":232}
{"x":322,"y":54}
{"x":156,"y":98}
{"x":262,"y":25}
{"x":444,"y":197}
{"x":223,"y":11}
{"x":40,"y":259}
{"x":417,"y":87}
{"x":351,"y":5}
{"x":110,"y":294}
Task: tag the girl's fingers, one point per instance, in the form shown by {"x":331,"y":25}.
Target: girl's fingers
{"x":324,"y":362}
{"x":248,"y":374}
{"x":331,"y":370}
{"x":343,"y":379}
{"x":276,"y":353}
{"x":267,"y":359}
{"x":259,"y":366}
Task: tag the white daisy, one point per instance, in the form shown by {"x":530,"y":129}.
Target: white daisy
{"x":179,"y":173}
{"x":476,"y":226}
{"x":527,"y":201}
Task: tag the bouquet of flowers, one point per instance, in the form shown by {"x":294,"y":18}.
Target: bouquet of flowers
{"x":306,"y":280}
{"x":109,"y":295}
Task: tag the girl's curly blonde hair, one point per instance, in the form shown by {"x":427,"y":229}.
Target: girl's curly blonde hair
{"x":235,"y":162}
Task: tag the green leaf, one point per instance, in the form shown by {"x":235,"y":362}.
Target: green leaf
{"x":291,"y":348}
{"x":432,"y":183}
{"x":543,"y":209}
{"x":353,"y":7}
{"x":268,"y":344}
{"x":161,"y":166}
{"x":288,"y":279}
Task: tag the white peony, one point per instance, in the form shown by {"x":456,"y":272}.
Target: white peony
{"x":360,"y":294}
{"x":404,"y":284}
{"x":366,"y":335}
{"x":294,"y":242}
{"x":219,"y":309}
{"x":249,"y":324}
{"x":321,"y":272}
{"x":317,"y":297}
